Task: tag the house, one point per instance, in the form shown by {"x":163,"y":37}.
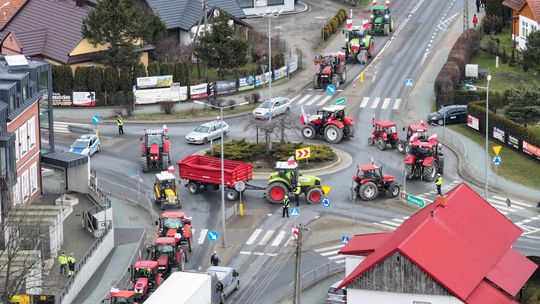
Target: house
{"x":181,"y":17}
{"x":50,"y":30}
{"x":8,"y":10}
{"x":256,"y":7}
{"x":456,"y":250}
{"x":525,"y":19}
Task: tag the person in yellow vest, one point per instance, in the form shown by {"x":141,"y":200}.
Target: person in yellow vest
{"x":438,"y":183}
{"x":71,"y":264}
{"x":63,"y":260}
{"x":286,"y":205}
{"x":296,"y":193}
{"x":120,"y":123}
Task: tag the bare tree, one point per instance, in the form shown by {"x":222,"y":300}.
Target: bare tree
{"x":280,"y":128}
{"x":169,"y":50}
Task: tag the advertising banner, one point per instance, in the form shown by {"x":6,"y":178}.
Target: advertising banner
{"x":513,"y":142}
{"x":473,"y":122}
{"x":198,"y":91}
{"x":164,"y":81}
{"x":531,"y":150}
{"x":246,"y":83}
{"x":84,"y":99}
{"x":61,"y":100}
{"x":263,"y":79}
{"x":499,"y":134}
{"x":293,"y":66}
{"x":226,"y":87}
{"x":150,"y":96}
{"x":280,"y":73}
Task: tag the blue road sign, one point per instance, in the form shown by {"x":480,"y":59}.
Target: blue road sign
{"x":295,"y":211}
{"x":497,"y":160}
{"x":344,"y":239}
{"x":213,"y":235}
{"x":331,"y":89}
{"x":408,"y":82}
{"x":326,"y":202}
{"x":95,"y":119}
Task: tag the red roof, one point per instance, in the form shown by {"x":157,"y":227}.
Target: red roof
{"x":461,"y":246}
{"x":365,"y":244}
{"x":8,"y":10}
{"x":173,"y":214}
{"x":145,"y":264}
{"x":385,"y":123}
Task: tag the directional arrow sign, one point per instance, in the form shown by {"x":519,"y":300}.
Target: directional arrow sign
{"x":95,"y":119}
{"x":326,"y":202}
{"x":213,"y":235}
{"x":303,"y":153}
{"x":331,"y":89}
{"x":340,"y":101}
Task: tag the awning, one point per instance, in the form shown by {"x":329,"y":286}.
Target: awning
{"x":64,"y":159}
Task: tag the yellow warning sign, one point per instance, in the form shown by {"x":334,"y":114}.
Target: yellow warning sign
{"x":497,"y":149}
{"x":326,"y":189}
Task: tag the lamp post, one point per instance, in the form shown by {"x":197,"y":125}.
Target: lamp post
{"x":223,"y":230}
{"x":270,"y":14}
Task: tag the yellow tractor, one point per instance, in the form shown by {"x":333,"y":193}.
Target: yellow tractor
{"x":166,"y":190}
{"x":31,"y":299}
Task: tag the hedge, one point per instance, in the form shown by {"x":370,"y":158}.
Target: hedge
{"x":335,"y":23}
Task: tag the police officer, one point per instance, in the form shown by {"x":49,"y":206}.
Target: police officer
{"x":296,"y":193}
{"x":71,"y":264}
{"x":286,"y":205}
{"x":438,"y":183}
{"x":63,"y":260}
{"x":120,"y":123}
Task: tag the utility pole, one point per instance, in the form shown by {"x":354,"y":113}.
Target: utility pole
{"x":465,"y":15}
{"x":205,"y":16}
{"x":298,"y":267}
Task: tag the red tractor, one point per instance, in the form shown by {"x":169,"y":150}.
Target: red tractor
{"x":177,"y":226}
{"x":167,"y":255}
{"x":155,"y":154}
{"x":329,"y":122}
{"x":384,"y":133}
{"x":424,"y":160}
{"x":331,"y":71}
{"x":413,"y":131}
{"x":145,"y":278}
{"x":369,"y":182}
{"x":117,"y":296}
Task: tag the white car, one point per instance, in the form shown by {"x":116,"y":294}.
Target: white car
{"x":336,"y":296}
{"x":86,"y":144}
{"x":228,"y":276}
{"x":270,"y":108}
{"x":206,"y":132}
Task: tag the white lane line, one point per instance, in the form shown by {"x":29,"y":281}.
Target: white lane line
{"x":385,"y":226}
{"x":512,"y":206}
{"x":337,"y":257}
{"x":390,"y":223}
{"x":399,"y":220}
{"x":364,"y":102}
{"x":503,"y":206}
{"x":312,"y":101}
{"x":253,"y":236}
{"x":527,"y":221}
{"x":266,"y":237}
{"x":278,"y":239}
{"x":271,"y":254}
{"x":296,"y":97}
{"x":301,"y":101}
{"x":324,"y":100}
{"x":258,"y":253}
{"x":340,"y":261}
{"x":328,"y":248}
{"x":396,"y":104}
{"x":513,"y":201}
{"x":385,"y":103}
{"x":245,"y":252}
{"x":375,"y":103}
{"x":329,"y":253}
{"x":202,"y":236}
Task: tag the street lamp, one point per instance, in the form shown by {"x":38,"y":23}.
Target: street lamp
{"x":222,"y":163}
{"x":270,"y":14}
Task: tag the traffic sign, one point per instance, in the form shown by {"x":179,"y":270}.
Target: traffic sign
{"x":344,"y":239}
{"x":340,"y":101}
{"x":303,"y":153}
{"x":326,"y":189}
{"x":414,"y":200}
{"x":295,"y":211}
{"x":508,"y":203}
{"x":497,"y":160}
{"x":331,"y":89}
{"x":408,"y":82}
{"x":213,"y":235}
{"x":326,"y":202}
{"x":240,"y":186}
{"x":497,"y":149}
{"x":95,"y":119}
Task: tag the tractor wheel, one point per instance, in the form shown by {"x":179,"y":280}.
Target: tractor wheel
{"x":336,"y":80}
{"x":392,"y":24}
{"x":371,"y":49}
{"x":144,"y":164}
{"x":386,"y":30}
{"x":231,"y":194}
{"x":165,"y":161}
{"x":409,"y":171}
{"x":368,"y":191}
{"x":429,"y":173}
{"x":182,"y":262}
{"x":275,"y":192}
{"x":179,"y":205}
{"x":308,"y":131}
{"x":314,"y":195}
{"x":362,"y":56}
{"x":192,"y":188}
{"x":440,"y":165}
{"x":407,"y":149}
{"x":370,"y":141}
{"x":343,"y":75}
{"x":162,"y":206}
{"x":381,"y":144}
{"x":401,"y":146}
{"x":393,"y":190}
{"x":316,"y":82}
{"x":333,"y":134}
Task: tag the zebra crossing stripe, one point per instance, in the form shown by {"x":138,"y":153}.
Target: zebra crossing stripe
{"x":340,"y":261}
{"x":336,"y":257}
{"x":328,"y":248}
{"x":253,"y":236}
{"x":278,"y":239}
{"x":295,"y":97}
{"x":313,"y":100}
{"x":390,"y":223}
{"x":329,"y":253}
{"x":202,"y":236}
{"x":364,"y":102}
{"x":375,"y":103}
{"x":266,"y":237}
{"x":396,"y":104}
{"x":513,"y":201}
{"x":385,"y":103}
{"x":301,"y":101}
{"x":324,"y":100}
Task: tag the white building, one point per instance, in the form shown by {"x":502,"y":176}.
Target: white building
{"x":255,"y":7}
{"x":525,"y":17}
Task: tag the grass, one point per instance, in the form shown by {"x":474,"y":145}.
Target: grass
{"x":190,"y":113}
{"x":514,"y":166}
{"x":535,"y":130}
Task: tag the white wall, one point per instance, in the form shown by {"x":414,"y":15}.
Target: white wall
{"x":359,"y":296}
{"x":351,"y":261}
{"x":288,"y":6}
{"x":522,"y":37}
{"x":185,"y":38}
{"x":79,"y":178}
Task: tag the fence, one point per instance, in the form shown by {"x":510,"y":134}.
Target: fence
{"x":319,"y":273}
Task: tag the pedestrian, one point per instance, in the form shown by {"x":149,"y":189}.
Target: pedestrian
{"x":438,"y":183}
{"x":478,"y":6}
{"x":120,"y":123}
{"x":538,"y":206}
{"x":63,"y":260}
{"x":474,"y":20}
{"x":214,"y":259}
{"x":296,"y":193}
{"x":483,"y":3}
{"x":286,"y":205}
{"x":71,"y":264}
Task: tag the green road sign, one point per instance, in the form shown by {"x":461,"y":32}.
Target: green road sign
{"x":340,"y":101}
{"x":414,"y":200}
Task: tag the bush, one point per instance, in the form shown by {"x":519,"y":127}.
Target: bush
{"x":153,"y":69}
{"x":166,"y":68}
{"x":62,"y":79}
{"x":319,"y":153}
{"x":493,"y":24}
{"x":167,"y":107}
{"x":126,"y":80}
{"x":110,"y":80}
{"x":238,"y":150}
{"x":79,"y":81}
{"x":94,"y":79}
{"x":254,"y":97}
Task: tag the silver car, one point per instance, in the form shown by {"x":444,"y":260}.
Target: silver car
{"x":207,"y":132}
{"x":275,"y":106}
{"x":228,"y":276}
{"x":336,"y":296}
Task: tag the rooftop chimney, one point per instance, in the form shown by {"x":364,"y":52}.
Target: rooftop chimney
{"x":80,"y":2}
{"x":441,"y":201}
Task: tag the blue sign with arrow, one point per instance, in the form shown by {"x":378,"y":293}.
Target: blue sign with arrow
{"x":344,"y":239}
{"x":95,"y":119}
{"x":497,"y":160}
{"x":331,"y":89}
{"x":295,"y":211}
{"x":213,"y":235}
{"x":326,"y":202}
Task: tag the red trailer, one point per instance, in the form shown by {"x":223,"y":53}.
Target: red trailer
{"x":204,"y":172}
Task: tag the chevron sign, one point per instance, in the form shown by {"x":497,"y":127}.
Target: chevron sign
{"x":303,"y":153}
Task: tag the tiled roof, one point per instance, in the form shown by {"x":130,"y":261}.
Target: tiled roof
{"x":8,"y":8}
{"x":514,"y":4}
{"x":32,"y":42}
{"x":535,"y":8}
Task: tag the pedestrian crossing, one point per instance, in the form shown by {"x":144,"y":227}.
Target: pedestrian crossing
{"x":259,"y":237}
{"x":319,"y":99}
{"x":331,"y":253}
{"x":64,"y":127}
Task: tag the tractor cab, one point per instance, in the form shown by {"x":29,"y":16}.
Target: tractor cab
{"x":145,"y":277}
{"x":167,"y":254}
{"x":333,"y":112}
{"x":117,"y":296}
{"x":382,"y":20}
{"x":177,"y":226}
{"x":155,"y":149}
{"x":165,"y":190}
{"x":370,"y":181}
{"x":417,"y":129}
{"x":288,"y":170}
{"x":384,"y":133}
{"x":371,"y":172}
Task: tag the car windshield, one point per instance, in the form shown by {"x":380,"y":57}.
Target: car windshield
{"x":165,"y":249}
{"x":442,"y":110}
{"x":340,"y":292}
{"x":391,"y":130}
{"x":202,"y":129}
{"x":154,"y":139}
{"x":173,"y":223}
{"x":80,"y":144}
{"x":266,"y":104}
{"x":378,"y":13}
{"x":142,"y":272}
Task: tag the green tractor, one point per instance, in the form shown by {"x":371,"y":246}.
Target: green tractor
{"x":283,"y":181}
{"x":359,"y":46}
{"x":382,"y":21}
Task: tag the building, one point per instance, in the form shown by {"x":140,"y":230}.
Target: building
{"x":525,"y":18}
{"x":455,"y":250}
{"x":255,"y":7}
{"x":50,"y":30}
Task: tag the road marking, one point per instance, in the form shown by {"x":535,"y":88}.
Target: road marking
{"x":271,"y":254}
{"x":258,"y":253}
{"x":278,"y":239}
{"x":266,"y":237}
{"x":328,"y":248}
{"x":324,"y":100}
{"x":390,"y":223}
{"x":245,"y":252}
{"x":329,"y":253}
{"x":399,"y":220}
{"x":364,"y":102}
{"x":336,"y":257}
{"x":385,"y":103}
{"x":202,"y":236}
{"x":375,"y":103}
{"x":301,"y":101}
{"x":313,"y":100}
{"x":396,"y":104}
{"x":296,"y":97}
{"x":253,"y":236}
{"x":340,"y":261}
{"x":513,"y":201}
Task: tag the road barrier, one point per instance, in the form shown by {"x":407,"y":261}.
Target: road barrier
{"x":311,"y":277}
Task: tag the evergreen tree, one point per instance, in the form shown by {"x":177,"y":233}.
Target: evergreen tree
{"x":126,"y":77}
{"x":494,"y":7}
{"x":94,"y":79}
{"x":153,"y":69}
{"x":524,"y":106}
{"x":110,"y":80}
{"x":166,"y":68}
{"x":531,"y":54}
{"x":80,"y":79}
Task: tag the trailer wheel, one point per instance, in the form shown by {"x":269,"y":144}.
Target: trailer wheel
{"x":275,"y":192}
{"x":314,"y":195}
{"x":192,"y":188}
{"x":231,"y":194}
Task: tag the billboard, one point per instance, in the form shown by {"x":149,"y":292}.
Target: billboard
{"x":513,"y":141}
{"x":499,"y":134}
{"x":293,"y":66}
{"x":531,"y":150}
{"x":280,"y":73}
{"x":246,"y":83}
{"x":164,"y":81}
{"x":84,"y":99}
{"x":263,"y":79}
{"x":473,"y":122}
{"x":150,"y":96}
{"x":61,"y":99}
{"x":199,"y":91}
{"x":225,"y":86}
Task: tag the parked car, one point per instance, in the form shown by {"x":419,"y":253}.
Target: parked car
{"x":336,"y":296}
{"x":448,"y":114}
{"x":206,"y":132}
{"x":275,"y":106}
{"x":86,"y":144}
{"x":228,"y":276}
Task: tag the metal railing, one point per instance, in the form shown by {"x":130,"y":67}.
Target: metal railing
{"x":311,"y":277}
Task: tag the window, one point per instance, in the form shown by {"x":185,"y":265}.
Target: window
{"x":33,"y":178}
{"x":43,"y":82}
{"x":274,"y":2}
{"x":31,"y":125}
{"x":245,"y":3}
{"x":23,"y":139}
{"x":524,"y":29}
{"x":24,"y":93}
{"x":11,"y":102}
{"x":17,"y":192}
{"x":3,"y":162}
{"x":25,"y":187}
{"x":17,"y":145}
